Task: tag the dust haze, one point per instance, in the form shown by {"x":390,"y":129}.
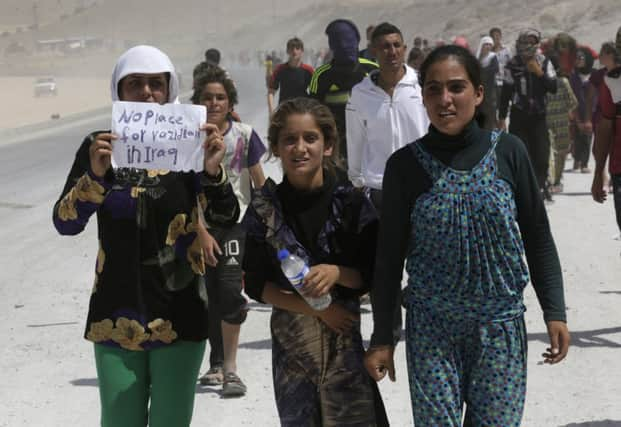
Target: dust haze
{"x":49,"y":377}
{"x":95,"y":32}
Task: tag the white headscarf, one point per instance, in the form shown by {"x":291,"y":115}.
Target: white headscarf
{"x":490,"y":55}
{"x":144,"y":60}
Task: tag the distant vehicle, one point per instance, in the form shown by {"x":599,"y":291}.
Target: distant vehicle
{"x":45,"y":86}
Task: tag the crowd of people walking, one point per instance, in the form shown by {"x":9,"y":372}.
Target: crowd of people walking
{"x":392,"y":159}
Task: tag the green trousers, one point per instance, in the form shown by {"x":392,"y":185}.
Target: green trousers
{"x":129,"y":379}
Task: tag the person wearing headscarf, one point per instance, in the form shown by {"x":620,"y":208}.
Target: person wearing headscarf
{"x":331,"y":84}
{"x":489,"y":67}
{"x":147,"y":314}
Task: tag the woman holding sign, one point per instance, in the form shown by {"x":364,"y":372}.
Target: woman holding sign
{"x":216,"y":91}
{"x":147,"y":314}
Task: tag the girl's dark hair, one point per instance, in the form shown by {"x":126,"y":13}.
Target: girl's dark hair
{"x":214,"y":75}
{"x":323,"y":117}
{"x":465,"y":58}
{"x":459,"y":54}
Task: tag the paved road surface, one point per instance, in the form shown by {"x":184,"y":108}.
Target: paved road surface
{"x":48,"y":373}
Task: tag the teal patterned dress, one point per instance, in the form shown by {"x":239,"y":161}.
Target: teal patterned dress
{"x":466,"y":340}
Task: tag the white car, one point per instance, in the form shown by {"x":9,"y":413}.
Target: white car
{"x":45,"y":86}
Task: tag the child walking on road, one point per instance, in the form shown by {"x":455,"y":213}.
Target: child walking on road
{"x":315,"y":213}
{"x":227,"y":305}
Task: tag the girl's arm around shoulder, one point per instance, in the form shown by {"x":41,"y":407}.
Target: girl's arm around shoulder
{"x":82,"y":194}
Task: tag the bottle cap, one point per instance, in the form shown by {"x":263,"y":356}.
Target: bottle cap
{"x":282,"y":254}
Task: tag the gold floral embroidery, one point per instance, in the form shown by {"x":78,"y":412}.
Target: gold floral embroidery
{"x":136,"y":191}
{"x":85,"y":190}
{"x":196,"y":257}
{"x":100,"y":331}
{"x":152,"y":173}
{"x":88,"y":190}
{"x":202,"y":201}
{"x":191,"y":227}
{"x":129,"y":334}
{"x":162,"y":330}
{"x":66,"y":207}
{"x":176,"y":228}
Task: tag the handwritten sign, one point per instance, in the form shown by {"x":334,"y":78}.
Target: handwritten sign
{"x":153,"y":136}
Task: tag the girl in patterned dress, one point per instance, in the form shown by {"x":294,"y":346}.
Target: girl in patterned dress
{"x":147,"y":313}
{"x":462,"y":208}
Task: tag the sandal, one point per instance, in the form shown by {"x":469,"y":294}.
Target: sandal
{"x":214,"y":376}
{"x":556,"y":188}
{"x":233,"y":386}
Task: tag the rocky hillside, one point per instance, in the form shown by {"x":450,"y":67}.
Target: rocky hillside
{"x":186,"y":27}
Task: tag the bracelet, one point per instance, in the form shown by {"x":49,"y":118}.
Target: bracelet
{"x":211,"y":180}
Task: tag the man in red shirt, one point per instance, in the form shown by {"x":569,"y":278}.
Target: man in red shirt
{"x":291,"y":78}
{"x":608,"y":137}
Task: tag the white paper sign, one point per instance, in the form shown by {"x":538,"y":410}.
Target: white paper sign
{"x":154,"y":136}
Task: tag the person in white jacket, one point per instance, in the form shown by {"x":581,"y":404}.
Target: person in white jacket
{"x":385,"y":112}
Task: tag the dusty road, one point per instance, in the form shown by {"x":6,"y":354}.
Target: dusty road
{"x":48,"y":372}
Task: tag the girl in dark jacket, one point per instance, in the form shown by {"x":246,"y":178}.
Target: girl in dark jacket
{"x":315,"y":213}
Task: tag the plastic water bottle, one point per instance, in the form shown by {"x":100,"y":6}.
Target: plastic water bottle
{"x":295,"y":269}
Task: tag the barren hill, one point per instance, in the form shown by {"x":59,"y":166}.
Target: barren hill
{"x":185,"y":28}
